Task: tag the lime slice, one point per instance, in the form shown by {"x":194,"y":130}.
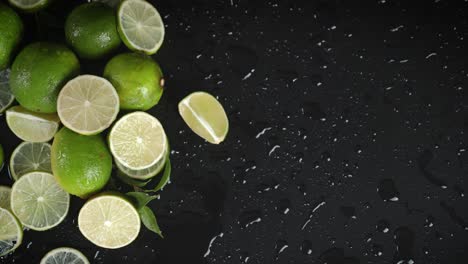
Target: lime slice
{"x":6,"y":97}
{"x":138,"y":141}
{"x":29,"y":157}
{"x":205,"y":116}
{"x":38,"y":201}
{"x":5,"y":193}
{"x":140,"y":26}
{"x":11,"y":232}
{"x":64,"y":255}
{"x":31,"y":126}
{"x":29,"y":5}
{"x":143,"y":174}
{"x":109,"y":221}
{"x":88,"y":104}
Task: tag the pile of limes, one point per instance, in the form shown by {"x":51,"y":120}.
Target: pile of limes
{"x":56,"y":104}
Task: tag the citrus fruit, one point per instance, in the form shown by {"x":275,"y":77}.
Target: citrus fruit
{"x":109,"y":221}
{"x":144,"y":174}
{"x":91,"y":29}
{"x":81,"y":164}
{"x":205,"y":116}
{"x":5,"y":193}
{"x":39,"y":72}
{"x":29,"y":157}
{"x":140,"y":26}
{"x":88,"y":104}
{"x":138,"y":80}
{"x":64,"y":255}
{"x":6,"y":97}
{"x":38,"y":201}
{"x":31,"y":126}
{"x":11,"y":232}
{"x":138,"y":141}
{"x":11,"y":30}
{"x":30,"y":5}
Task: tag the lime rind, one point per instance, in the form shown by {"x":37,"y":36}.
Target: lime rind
{"x":11,"y":232}
{"x":64,"y":255}
{"x":29,"y":5}
{"x":6,"y":97}
{"x":30,"y":156}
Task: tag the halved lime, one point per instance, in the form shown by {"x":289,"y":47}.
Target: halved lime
{"x":31,"y":126}
{"x":38,"y":201}
{"x":205,"y":116}
{"x":5,"y":193}
{"x":88,"y":104}
{"x":29,"y":157}
{"x":143,"y":174}
{"x":140,"y":26}
{"x":138,"y":141}
{"x":11,"y":232}
{"x":64,"y":255}
{"x":6,"y":97}
{"x":109,"y":221}
{"x":29,"y":5}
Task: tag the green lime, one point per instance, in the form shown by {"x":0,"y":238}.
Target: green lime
{"x":91,"y":29}
{"x":11,"y":232}
{"x":30,"y":5}
{"x":39,"y":72}
{"x":138,"y":80}
{"x":81,"y":164}
{"x":64,"y":255}
{"x":11,"y":30}
{"x":28,"y":157}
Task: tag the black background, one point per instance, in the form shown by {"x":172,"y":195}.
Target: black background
{"x":367,"y":103}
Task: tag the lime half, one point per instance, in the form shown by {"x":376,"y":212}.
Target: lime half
{"x":6,"y":97}
{"x":38,"y":201}
{"x":109,"y":221}
{"x":143,"y":174}
{"x":29,"y":5}
{"x":29,"y":157}
{"x":88,"y":104}
{"x":140,"y":26}
{"x":31,"y":126}
{"x":64,"y":255}
{"x":5,"y":193}
{"x":205,"y":116}
{"x":11,"y":232}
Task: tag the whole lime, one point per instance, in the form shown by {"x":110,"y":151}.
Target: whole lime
{"x":11,"y":30}
{"x":81,"y":164}
{"x":91,"y":30}
{"x":138,"y":80}
{"x":39,"y":72}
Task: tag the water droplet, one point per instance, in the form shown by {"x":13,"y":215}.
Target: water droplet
{"x":348,"y":211}
{"x":248,"y":218}
{"x":383,"y":226}
{"x":404,"y":241}
{"x":281,"y":246}
{"x":283,"y":206}
{"x":306,"y":247}
{"x":387,"y":190}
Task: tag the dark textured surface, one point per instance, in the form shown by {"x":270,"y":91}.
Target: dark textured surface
{"x":347,"y":143}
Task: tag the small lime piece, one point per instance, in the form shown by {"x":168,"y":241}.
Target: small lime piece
{"x":6,"y":97}
{"x":38,"y":201}
{"x":31,"y":126}
{"x":11,"y":31}
{"x":109,"y":221}
{"x":11,"y":232}
{"x":140,"y":26}
{"x":29,"y":157}
{"x":205,"y":116}
{"x":88,"y":104}
{"x":64,"y":255}
{"x":30,"y":5}
{"x":5,"y":193}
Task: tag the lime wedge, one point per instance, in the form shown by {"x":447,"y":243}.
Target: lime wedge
{"x":88,"y":104}
{"x":31,"y":126}
{"x":5,"y":193}
{"x":64,"y":255}
{"x":205,"y":116}
{"x":143,"y":174}
{"x":140,"y":26}
{"x":29,"y":5}
{"x":38,"y":201}
{"x":109,"y":221}
{"x":6,"y":97}
{"x":11,"y":232}
{"x":29,"y":157}
{"x":138,"y":141}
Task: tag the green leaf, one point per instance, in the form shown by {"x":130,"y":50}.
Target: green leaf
{"x":131,"y":181}
{"x":141,"y":199}
{"x":149,"y":220}
{"x":164,"y":178}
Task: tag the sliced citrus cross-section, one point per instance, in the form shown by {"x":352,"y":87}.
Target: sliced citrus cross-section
{"x":64,"y":255}
{"x":11,"y":232}
{"x":6,"y":97}
{"x":5,"y":193}
{"x":28,"y":157}
{"x":31,"y":126}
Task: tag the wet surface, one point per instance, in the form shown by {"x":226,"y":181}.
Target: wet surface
{"x":347,"y":139}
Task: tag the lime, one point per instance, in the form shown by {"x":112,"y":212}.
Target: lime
{"x":29,"y":157}
{"x":109,"y":221}
{"x":81,"y":164}
{"x":30,"y":5}
{"x":11,"y":30}
{"x":140,"y":26}
{"x":6,"y":97}
{"x":64,"y":255}
{"x":11,"y":232}
{"x":5,"y":193}
{"x":38,"y":201}
{"x":88,"y":104}
{"x":30,"y":126}
{"x":143,"y":174}
{"x":91,"y":29}
{"x":138,"y":80}
{"x":39,"y":72}
{"x":138,"y":141}
{"x":205,"y":116}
